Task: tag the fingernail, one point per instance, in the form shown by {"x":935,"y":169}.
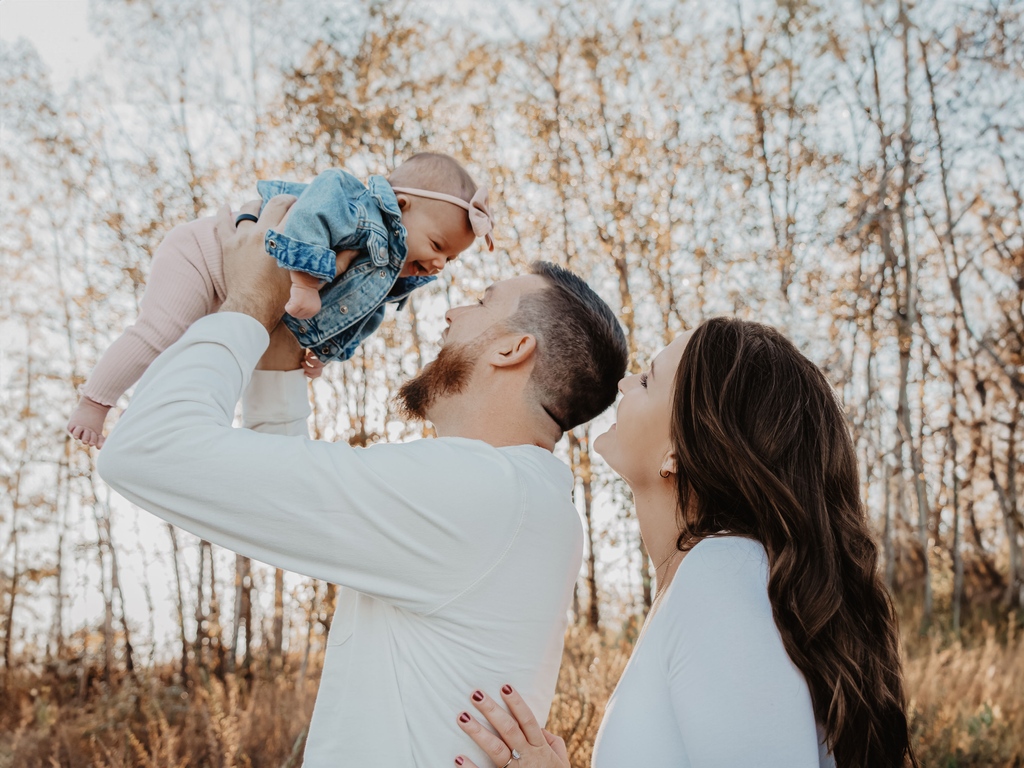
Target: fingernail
{"x":478,"y":696}
{"x":464,"y":717}
{"x":506,"y":689}
{"x":459,"y":761}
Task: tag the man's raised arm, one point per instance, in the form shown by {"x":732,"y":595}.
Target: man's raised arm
{"x":401,"y":522}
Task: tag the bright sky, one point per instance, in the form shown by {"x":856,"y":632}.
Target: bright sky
{"x":58,"y":29}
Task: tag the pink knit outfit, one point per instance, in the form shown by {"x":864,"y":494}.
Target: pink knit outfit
{"x":186,"y":282}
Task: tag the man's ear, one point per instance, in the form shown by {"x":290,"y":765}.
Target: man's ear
{"x":513,"y":350}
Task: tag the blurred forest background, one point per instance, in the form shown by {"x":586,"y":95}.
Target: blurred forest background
{"x":851,"y":171}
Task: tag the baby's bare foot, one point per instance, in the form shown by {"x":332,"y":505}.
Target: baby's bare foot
{"x":86,"y":422}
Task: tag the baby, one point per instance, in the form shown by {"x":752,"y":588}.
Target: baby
{"x":402,"y":229}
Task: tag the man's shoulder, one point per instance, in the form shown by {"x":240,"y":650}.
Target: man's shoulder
{"x":535,"y":464}
{"x":542,"y":464}
{"x":479,"y":467}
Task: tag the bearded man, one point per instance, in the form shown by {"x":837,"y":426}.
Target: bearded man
{"x":457,"y":555}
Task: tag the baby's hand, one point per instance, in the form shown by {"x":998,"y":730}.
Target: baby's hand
{"x":344,"y":261}
{"x":311,"y":365}
{"x":304,"y":299}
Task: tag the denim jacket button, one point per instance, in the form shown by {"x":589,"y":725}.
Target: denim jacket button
{"x":272,"y":243}
{"x":383,"y":273}
{"x":303,"y":329}
{"x":326,"y":350}
{"x":344,"y":310}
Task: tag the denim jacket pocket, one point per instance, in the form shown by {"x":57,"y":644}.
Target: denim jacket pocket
{"x":377,"y":247}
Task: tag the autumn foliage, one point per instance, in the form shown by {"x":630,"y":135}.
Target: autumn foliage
{"x":850,"y":172}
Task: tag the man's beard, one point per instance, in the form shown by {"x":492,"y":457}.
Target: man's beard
{"x":445,"y":376}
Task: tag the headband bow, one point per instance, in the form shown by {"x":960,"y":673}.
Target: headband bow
{"x":480,"y":218}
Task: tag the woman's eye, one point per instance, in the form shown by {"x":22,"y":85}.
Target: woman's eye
{"x":643,"y":380}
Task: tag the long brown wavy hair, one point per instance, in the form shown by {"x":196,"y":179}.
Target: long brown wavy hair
{"x":763,"y":451}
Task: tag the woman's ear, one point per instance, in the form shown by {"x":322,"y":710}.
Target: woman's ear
{"x":514,"y":350}
{"x":668,"y":465}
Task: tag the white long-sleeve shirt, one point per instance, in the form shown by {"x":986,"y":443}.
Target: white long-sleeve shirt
{"x":458,"y":558}
{"x":710,"y":684}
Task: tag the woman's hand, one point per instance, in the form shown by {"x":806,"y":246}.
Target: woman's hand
{"x":520,"y":743}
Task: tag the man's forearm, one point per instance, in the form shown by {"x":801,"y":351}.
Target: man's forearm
{"x":256,"y":304}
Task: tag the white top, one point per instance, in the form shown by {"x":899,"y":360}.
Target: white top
{"x":709,"y":684}
{"x":460,"y":558}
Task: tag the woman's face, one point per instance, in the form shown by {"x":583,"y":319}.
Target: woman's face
{"x":639,"y":443}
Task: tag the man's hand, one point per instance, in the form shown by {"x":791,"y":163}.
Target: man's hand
{"x":256,"y":285}
{"x":284,"y":353}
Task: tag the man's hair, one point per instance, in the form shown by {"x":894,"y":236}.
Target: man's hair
{"x":581,"y":349}
{"x":435,"y":172}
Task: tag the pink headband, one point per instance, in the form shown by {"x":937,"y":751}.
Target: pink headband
{"x":479,"y":215}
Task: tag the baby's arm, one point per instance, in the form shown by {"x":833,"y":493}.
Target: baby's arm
{"x":321,"y":220}
{"x":179,"y":291}
{"x":304,"y":299}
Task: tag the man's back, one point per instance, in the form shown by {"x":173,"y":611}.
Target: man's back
{"x":457,"y":558}
{"x":500,"y":618}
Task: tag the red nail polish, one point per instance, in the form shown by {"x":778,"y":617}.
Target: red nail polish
{"x":506,"y":689}
{"x":459,"y":761}
{"x":464,"y":717}
{"x":478,"y":696}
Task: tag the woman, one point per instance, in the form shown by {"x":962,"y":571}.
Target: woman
{"x":771,"y":640}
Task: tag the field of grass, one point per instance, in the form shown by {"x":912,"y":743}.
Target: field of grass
{"x":967,"y":703}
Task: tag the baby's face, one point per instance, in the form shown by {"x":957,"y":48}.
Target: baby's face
{"x":437,"y":233}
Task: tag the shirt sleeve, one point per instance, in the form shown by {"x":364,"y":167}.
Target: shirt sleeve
{"x":323,"y":218}
{"x":411,"y":523}
{"x":738,"y":697}
{"x":277,"y":403}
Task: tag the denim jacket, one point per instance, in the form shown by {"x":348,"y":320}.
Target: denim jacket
{"x":337,"y":212}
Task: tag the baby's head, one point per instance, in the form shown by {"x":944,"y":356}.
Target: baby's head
{"x":443,"y":211}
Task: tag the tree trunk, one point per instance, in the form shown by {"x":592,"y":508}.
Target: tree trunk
{"x":277,"y":630}
{"x":579,"y":450}
{"x":958,"y":560}
{"x":214,"y":630}
{"x":888,"y":556}
{"x":15,"y":574}
{"x":236,"y":615}
{"x":1008,"y":502}
{"x":246,"y":616}
{"x":198,"y":652}
{"x":180,"y":603}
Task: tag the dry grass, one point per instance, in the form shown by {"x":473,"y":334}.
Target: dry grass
{"x":153,"y":723}
{"x":967,"y":703}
